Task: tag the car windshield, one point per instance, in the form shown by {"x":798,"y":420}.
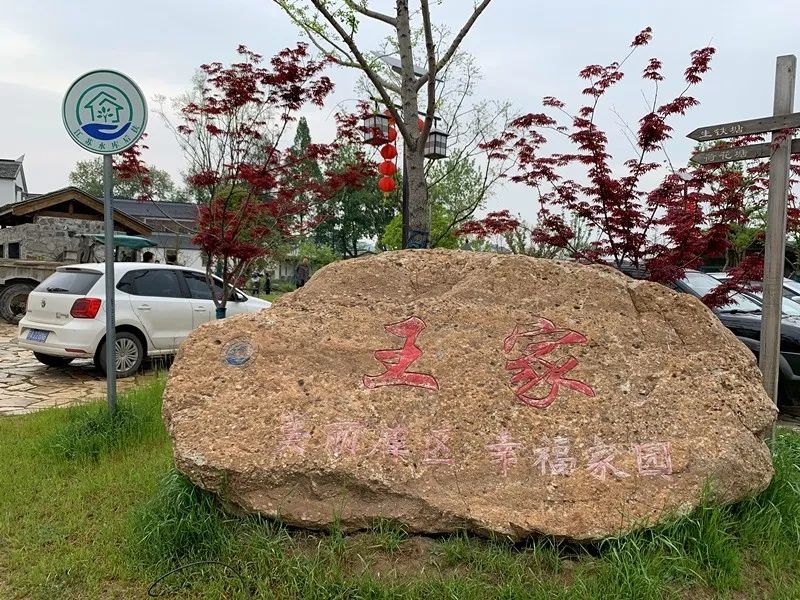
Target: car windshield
{"x":789,"y":306}
{"x":702,"y":284}
{"x":792,"y":286}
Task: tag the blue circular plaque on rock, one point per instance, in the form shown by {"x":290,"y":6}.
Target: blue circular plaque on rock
{"x":238,"y":352}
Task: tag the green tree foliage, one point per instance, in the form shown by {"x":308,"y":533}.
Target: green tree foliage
{"x":353,"y":214}
{"x":305,"y":169}
{"x":318,"y":255}
{"x":88,"y":176}
{"x":458,"y":187}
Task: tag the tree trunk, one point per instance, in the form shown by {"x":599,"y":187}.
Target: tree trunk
{"x":419,"y":220}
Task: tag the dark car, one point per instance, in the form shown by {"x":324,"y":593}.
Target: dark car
{"x":743,"y":317}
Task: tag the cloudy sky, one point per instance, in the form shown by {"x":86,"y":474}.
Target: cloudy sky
{"x":527,"y":49}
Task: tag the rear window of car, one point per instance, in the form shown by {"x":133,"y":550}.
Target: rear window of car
{"x":76,"y":283}
{"x":160,"y":283}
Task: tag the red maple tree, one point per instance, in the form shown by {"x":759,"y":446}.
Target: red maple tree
{"x":658,"y":230}
{"x":232,"y":131}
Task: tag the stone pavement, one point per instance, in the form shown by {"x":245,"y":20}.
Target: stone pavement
{"x":27,"y":385}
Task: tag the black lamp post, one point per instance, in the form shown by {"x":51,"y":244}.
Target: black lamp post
{"x":376,"y":132}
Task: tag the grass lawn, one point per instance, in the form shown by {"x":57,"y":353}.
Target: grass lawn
{"x":91,"y":508}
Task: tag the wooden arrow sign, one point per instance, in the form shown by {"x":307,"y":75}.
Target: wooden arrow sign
{"x":711,"y":157}
{"x":753,"y":126}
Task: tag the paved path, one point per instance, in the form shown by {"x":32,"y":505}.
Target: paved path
{"x":27,"y":385}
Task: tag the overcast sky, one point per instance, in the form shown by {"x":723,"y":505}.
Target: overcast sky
{"x":527,"y":49}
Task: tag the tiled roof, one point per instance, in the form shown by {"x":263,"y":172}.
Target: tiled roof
{"x":9,"y":168}
{"x":179,"y":211}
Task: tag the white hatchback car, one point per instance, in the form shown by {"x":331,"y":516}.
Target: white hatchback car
{"x":156,"y":308}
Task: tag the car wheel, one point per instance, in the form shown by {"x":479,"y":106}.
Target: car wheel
{"x":52,"y":361}
{"x":130,"y":354}
{"x":14,"y":302}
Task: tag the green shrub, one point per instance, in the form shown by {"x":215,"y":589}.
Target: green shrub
{"x":283,"y":287}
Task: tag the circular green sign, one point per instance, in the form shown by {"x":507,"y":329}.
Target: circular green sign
{"x":104,"y":112}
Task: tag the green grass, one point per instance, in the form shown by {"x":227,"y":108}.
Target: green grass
{"x":90,"y":432}
{"x":92,"y":508}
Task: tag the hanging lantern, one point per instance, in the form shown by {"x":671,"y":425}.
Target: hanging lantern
{"x":421,"y":124}
{"x":376,"y":129}
{"x":387,"y":169}
{"x":392,"y":134}
{"x":388,"y":152}
{"x":388,"y":114}
{"x":436,"y":144}
{"x":387,"y":185}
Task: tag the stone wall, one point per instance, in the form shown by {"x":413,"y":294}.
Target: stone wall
{"x":47,"y":238}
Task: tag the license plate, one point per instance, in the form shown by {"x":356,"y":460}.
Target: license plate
{"x":37,"y":335}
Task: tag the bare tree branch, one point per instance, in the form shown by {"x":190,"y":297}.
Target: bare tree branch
{"x":431,"y":74}
{"x":430,"y":48}
{"x":362,"y":9}
{"x":376,"y":80}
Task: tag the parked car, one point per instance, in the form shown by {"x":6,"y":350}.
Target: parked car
{"x":156,"y":308}
{"x":789,"y":306}
{"x":791,"y":288}
{"x":743,"y":317}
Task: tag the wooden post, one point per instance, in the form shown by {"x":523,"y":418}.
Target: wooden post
{"x":769,"y":355}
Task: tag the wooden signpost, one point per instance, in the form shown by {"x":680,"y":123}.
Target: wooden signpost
{"x":751,"y":127}
{"x":779,"y":152}
{"x":741,"y":153}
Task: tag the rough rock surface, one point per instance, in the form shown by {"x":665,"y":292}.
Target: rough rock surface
{"x":453,"y":390}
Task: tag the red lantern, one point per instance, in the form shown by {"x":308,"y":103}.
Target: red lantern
{"x":387,"y":185}
{"x":388,"y":114}
{"x":387,"y":169}
{"x":392,"y":134}
{"x":388,"y":152}
{"x":421,"y":124}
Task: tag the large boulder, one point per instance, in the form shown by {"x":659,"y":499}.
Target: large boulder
{"x":451,"y":390}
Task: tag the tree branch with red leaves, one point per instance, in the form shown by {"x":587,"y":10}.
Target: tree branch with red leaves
{"x":232,"y":131}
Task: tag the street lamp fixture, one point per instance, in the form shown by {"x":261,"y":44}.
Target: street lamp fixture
{"x":376,"y":129}
{"x":436,"y":144}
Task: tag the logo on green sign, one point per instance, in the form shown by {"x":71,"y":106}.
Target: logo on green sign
{"x":105,"y":112}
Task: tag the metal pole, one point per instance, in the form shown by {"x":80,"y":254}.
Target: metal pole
{"x":775,"y":250}
{"x":405,"y":200}
{"x":111,"y":333}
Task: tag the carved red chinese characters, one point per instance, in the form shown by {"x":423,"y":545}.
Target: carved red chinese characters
{"x":536,"y":380}
{"x":397,"y":362}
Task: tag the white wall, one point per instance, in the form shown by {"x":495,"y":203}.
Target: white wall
{"x":21,"y":188}
{"x":186,"y":258}
{"x":7,"y":191}
{"x":13,"y":190}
